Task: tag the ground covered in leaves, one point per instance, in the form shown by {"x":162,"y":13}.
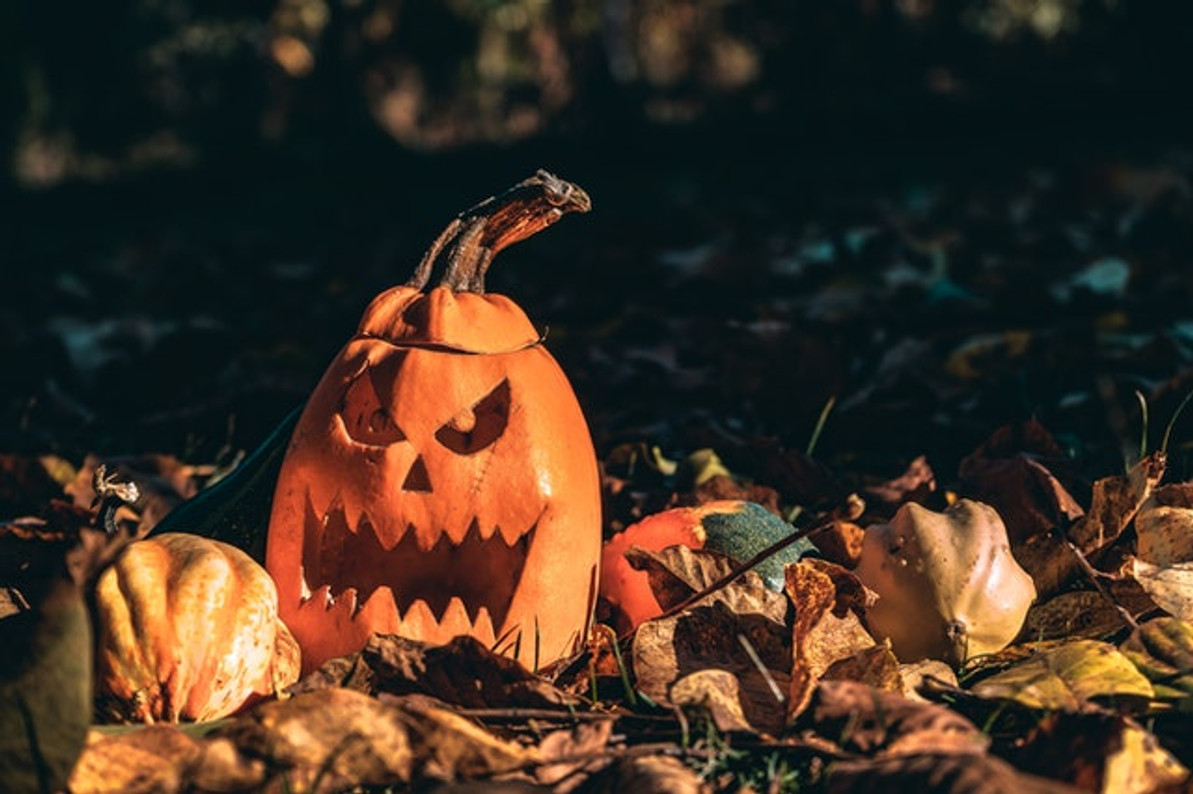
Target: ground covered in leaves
{"x":830,"y":338}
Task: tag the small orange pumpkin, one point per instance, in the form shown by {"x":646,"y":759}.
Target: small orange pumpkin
{"x":188,"y":630}
{"x":442,"y":480}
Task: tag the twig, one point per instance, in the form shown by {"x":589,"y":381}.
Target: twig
{"x":738,"y":571}
{"x":1095,"y":577}
{"x":762,"y":668}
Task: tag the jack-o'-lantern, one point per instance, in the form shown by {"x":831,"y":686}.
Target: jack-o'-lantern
{"x":442,"y":480}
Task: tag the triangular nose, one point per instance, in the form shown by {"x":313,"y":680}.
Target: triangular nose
{"x":417,"y":479}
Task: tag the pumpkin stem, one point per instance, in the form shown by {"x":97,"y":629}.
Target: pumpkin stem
{"x":111,"y":495}
{"x":476,"y":235}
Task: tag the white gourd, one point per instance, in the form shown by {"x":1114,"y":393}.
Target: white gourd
{"x":948,"y":587}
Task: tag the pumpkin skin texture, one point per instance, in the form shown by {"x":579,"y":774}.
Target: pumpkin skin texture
{"x":188,"y":630}
{"x":948,"y":587}
{"x":440,"y":481}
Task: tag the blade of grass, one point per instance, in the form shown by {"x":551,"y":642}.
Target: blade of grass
{"x":821,"y":421}
{"x":1172,"y":422}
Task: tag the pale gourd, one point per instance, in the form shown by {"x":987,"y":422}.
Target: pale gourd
{"x":188,"y":629}
{"x":948,"y":587}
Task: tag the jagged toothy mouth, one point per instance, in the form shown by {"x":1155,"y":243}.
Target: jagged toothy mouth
{"x":482,"y":571}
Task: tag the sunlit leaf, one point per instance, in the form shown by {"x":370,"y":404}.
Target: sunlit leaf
{"x":1069,"y":676}
{"x":1162,"y":649}
{"x":1171,"y":587}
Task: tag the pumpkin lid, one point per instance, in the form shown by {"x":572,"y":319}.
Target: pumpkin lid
{"x":468,"y":322}
{"x":457,"y":315}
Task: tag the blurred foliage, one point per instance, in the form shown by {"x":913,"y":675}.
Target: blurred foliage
{"x":100,"y":88}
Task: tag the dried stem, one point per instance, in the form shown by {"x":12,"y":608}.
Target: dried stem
{"x":479,"y":233}
{"x":111,"y":496}
{"x":1095,"y":577}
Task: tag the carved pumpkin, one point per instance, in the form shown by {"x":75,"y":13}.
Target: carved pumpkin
{"x":441,"y":480}
{"x":188,"y":630}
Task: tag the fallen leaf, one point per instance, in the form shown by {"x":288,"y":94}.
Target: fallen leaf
{"x":876,"y":666}
{"x":462,"y":671}
{"x":840,"y":542}
{"x":565,"y":753}
{"x":1010,"y":472}
{"x":826,"y":627}
{"x":916,"y":674}
{"x":1115,"y":501}
{"x":1171,"y":586}
{"x":152,"y":759}
{"x":327,"y":741}
{"x":1164,"y":526}
{"x":716,"y":692}
{"x":667,"y":649}
{"x":677,"y":572}
{"x":1075,"y":614}
{"x":648,"y":774}
{"x":1069,"y":676}
{"x":1162,"y":649}
{"x":939,"y":773}
{"x":861,"y":719}
{"x":720,"y":487}
{"x":914,"y":484}
{"x":447,"y":746}
{"x":1099,"y":751}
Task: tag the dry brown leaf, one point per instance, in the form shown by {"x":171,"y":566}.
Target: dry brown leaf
{"x":462,"y":672}
{"x":720,"y":487}
{"x":667,"y":649}
{"x":862,"y":719}
{"x":876,"y":666}
{"x":565,"y":753}
{"x":678,"y":572}
{"x":1049,"y":561}
{"x":1164,"y":547}
{"x":649,"y":774}
{"x":913,"y":485}
{"x":1099,"y":751}
{"x":840,"y":542}
{"x":1164,"y":526}
{"x":916,"y":674}
{"x":1009,"y":472}
{"x":826,"y":626}
{"x":1076,"y":614}
{"x":939,"y":773}
{"x":1115,"y":502}
{"x":328,"y":741}
{"x":716,"y":692}
{"x":152,"y":759}
{"x":1170,"y":586}
{"x":448,"y":746}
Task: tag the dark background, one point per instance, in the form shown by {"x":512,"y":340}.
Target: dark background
{"x":945,"y":215}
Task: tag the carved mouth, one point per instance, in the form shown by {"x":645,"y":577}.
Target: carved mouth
{"x":479,"y":574}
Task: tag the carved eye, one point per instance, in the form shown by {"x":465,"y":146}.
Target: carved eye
{"x":365,"y":418}
{"x":471,"y":430}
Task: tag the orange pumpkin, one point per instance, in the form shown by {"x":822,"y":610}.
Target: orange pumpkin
{"x":442,"y":480}
{"x":188,"y":630}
